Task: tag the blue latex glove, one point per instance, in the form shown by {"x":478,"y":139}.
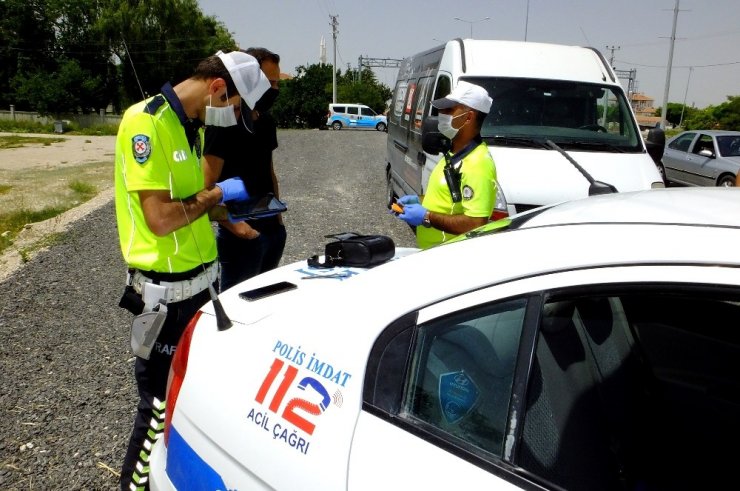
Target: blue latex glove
{"x":409,"y":199}
{"x":232,"y":189}
{"x":413,"y":214}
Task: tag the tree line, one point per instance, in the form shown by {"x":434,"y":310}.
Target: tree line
{"x":80,"y":56}
{"x":724,"y":116}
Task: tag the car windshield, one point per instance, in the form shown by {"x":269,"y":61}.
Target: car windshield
{"x":576,"y":116}
{"x":729,"y":145}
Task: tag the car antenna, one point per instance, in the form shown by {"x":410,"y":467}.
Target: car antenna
{"x":596,"y":187}
{"x":222,"y":320}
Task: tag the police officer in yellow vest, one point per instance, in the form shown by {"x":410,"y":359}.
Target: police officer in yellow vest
{"x":162,"y":211}
{"x":439,"y":217}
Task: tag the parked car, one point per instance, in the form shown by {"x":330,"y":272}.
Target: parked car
{"x":702,"y":158}
{"x":573,"y":347}
{"x":354,"y":116}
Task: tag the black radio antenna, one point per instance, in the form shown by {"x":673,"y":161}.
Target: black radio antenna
{"x":222,"y":320}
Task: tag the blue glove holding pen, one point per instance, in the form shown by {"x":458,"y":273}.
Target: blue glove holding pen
{"x":232,"y":189}
{"x":413,"y":213}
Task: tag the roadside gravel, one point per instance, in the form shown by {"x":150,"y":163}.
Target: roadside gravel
{"x":67,"y":391}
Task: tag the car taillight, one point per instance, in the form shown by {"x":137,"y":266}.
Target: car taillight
{"x":177,"y":373}
{"x":501,"y":207}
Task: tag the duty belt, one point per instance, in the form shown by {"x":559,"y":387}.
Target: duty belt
{"x":177,"y":291}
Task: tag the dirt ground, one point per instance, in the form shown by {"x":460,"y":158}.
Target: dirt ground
{"x":39,"y":176}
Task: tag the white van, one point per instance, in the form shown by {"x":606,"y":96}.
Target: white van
{"x":543,"y":94}
{"x":354,"y":116}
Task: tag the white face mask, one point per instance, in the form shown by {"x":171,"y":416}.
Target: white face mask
{"x":220,"y":116}
{"x":445,"y":125}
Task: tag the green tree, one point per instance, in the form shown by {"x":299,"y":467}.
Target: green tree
{"x":365,"y":89}
{"x":157,"y":41}
{"x":727,"y":114}
{"x":304,"y":100}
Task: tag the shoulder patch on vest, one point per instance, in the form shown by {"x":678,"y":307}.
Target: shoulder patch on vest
{"x":142,"y":148}
{"x":467,"y":192}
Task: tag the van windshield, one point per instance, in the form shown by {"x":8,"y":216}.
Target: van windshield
{"x":576,"y":116}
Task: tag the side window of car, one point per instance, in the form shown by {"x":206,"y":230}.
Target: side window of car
{"x":461,"y":373}
{"x":444,"y":87}
{"x":339,"y":109}
{"x":352,"y":110}
{"x":366,"y":111}
{"x":618,"y":382}
{"x":704,"y":142}
{"x":682,"y":142}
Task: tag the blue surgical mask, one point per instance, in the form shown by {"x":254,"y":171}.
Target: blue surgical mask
{"x":220,"y":116}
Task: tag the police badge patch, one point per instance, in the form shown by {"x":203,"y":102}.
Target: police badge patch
{"x":467,"y":192}
{"x":142,"y":147}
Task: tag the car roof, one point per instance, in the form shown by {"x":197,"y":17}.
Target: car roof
{"x":711,"y":132}
{"x":719,"y":207}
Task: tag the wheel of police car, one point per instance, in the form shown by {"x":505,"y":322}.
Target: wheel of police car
{"x":380,"y":127}
{"x":336,"y":125}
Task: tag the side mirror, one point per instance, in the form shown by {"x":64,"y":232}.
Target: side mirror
{"x":655,"y":144}
{"x":432,"y":141}
{"x":598,"y":187}
{"x":707,"y":153}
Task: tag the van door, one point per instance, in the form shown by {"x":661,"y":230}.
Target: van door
{"x":353,"y":113}
{"x":367,"y":117}
{"x":442,"y":87}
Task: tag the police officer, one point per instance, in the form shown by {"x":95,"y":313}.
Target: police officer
{"x":439,"y":217}
{"x":248,"y":248}
{"x":164,"y":229}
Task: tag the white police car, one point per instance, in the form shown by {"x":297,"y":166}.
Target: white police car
{"x":593,"y":344}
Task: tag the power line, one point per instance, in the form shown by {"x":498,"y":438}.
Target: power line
{"x":680,"y":66}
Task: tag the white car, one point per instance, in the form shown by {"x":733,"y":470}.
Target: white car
{"x":593,"y":344}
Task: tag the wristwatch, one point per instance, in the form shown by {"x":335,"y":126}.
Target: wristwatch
{"x":426,"y":221}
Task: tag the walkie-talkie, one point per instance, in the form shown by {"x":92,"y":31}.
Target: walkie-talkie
{"x":452,"y":176}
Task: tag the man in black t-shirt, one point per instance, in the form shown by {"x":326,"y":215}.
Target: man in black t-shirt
{"x":248,"y":248}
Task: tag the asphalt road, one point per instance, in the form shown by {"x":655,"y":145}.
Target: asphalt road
{"x":67,"y":391}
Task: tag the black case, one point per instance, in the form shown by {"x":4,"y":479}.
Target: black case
{"x":355,"y":250}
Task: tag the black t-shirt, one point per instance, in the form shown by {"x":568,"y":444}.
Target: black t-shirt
{"x":246,"y":155}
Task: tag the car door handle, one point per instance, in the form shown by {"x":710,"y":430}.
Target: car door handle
{"x":400,"y":146}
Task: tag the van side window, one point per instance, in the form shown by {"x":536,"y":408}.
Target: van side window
{"x":444,"y":87}
{"x":422,"y":91}
{"x":366,"y":111}
{"x":352,"y":110}
{"x":340,"y":109}
{"x":400,"y":97}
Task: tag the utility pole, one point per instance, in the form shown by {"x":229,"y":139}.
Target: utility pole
{"x":664,"y":110}
{"x":334,"y":32}
{"x":611,"y":58}
{"x":606,"y":93}
{"x":683,"y":108}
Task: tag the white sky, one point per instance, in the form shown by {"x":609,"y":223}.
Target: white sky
{"x":707,"y":34}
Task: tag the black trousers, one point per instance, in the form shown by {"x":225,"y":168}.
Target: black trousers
{"x":151,"y":380}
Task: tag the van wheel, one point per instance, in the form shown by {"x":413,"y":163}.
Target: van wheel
{"x":336,"y":125}
{"x":380,"y":127}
